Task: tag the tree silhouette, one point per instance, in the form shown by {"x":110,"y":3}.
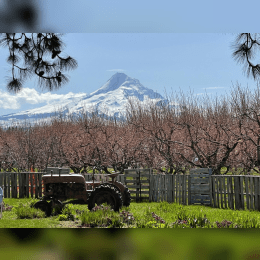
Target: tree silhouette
{"x":36,"y":54}
{"x":245,"y":47}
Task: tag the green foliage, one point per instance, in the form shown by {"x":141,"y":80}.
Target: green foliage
{"x":101,"y":216}
{"x":137,"y":215}
{"x":63,"y":217}
{"x":32,"y":202}
{"x":69,"y":212}
{"x":25,"y":211}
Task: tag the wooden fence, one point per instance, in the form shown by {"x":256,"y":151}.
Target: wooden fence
{"x":236,"y":191}
{"x":22,"y":184}
{"x":227,"y":191}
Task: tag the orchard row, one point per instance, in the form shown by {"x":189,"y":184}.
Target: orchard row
{"x":186,"y":132}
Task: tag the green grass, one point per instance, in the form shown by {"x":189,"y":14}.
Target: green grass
{"x":137,"y":215}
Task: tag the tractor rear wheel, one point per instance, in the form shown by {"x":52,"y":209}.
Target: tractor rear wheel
{"x":44,"y":206}
{"x":105,"y":194}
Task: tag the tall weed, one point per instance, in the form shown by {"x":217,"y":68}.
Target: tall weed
{"x":26,"y":212}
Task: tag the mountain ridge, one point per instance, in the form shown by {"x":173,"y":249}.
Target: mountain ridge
{"x":110,"y":99}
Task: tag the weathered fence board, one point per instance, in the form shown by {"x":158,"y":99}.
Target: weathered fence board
{"x":138,"y":182}
{"x":200,"y":186}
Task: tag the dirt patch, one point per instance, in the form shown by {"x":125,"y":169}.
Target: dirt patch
{"x":69,"y":224}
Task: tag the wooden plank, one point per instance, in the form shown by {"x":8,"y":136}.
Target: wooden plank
{"x":27,"y":185}
{"x":207,"y":197}
{"x":145,"y":192}
{"x":19,"y":183}
{"x":232,"y":192}
{"x":165,"y":187}
{"x":130,"y":181}
{"x":177,"y":189}
{"x":12,"y":184}
{"x":202,"y":201}
{"x":24,"y":184}
{"x":210,"y":190}
{"x":169,"y":188}
{"x":213,"y":183}
{"x":200,"y":170}
{"x":200,"y":176}
{"x":199,"y":180}
{"x":217,"y":194}
{"x":189,"y":190}
{"x":129,"y":171}
{"x":40,"y":185}
{"x":256,"y":194}
{"x":247,"y":194}
{"x":151,"y":188}
{"x":131,"y":175}
{"x":137,"y":189}
{"x":11,"y":181}
{"x":15,"y":185}
{"x":31,"y":183}
{"x":159,"y":188}
{"x":184,"y":190}
{"x":200,"y":189}
{"x":236,"y":189}
{"x":228,"y":192}
{"x":173,"y":187}
{"x":156,"y":187}
{"x":241,"y":179}
{"x":224,"y":189}
{"x":8,"y":184}
{"x":251,"y":193}
{"x":37,"y":186}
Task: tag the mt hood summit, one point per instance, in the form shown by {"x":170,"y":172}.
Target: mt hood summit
{"x":111,"y":99}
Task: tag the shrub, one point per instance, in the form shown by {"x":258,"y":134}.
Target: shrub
{"x":101,"y":216}
{"x":25,"y":211}
{"x":7,"y":207}
{"x":63,"y":217}
{"x":69,"y":212}
{"x":32,"y":203}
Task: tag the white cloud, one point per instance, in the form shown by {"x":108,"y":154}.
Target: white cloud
{"x":31,"y":96}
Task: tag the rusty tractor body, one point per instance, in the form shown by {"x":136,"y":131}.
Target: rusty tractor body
{"x":61,"y":185}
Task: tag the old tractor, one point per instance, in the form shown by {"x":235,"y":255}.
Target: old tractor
{"x":60,"y":185}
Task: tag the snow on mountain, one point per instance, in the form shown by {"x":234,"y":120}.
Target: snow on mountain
{"x":111,"y":99}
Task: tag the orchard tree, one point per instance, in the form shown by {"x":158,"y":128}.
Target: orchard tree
{"x":36,"y":54}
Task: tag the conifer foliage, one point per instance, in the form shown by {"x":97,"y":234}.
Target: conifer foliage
{"x":36,"y":54}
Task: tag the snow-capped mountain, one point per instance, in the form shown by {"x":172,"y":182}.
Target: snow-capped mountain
{"x":111,"y":99}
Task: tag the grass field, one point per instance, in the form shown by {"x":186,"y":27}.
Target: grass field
{"x":137,"y":215}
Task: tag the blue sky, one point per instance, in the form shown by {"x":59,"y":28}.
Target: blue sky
{"x":164,"y":62}
{"x":164,"y":16}
{"x":167,"y":45}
